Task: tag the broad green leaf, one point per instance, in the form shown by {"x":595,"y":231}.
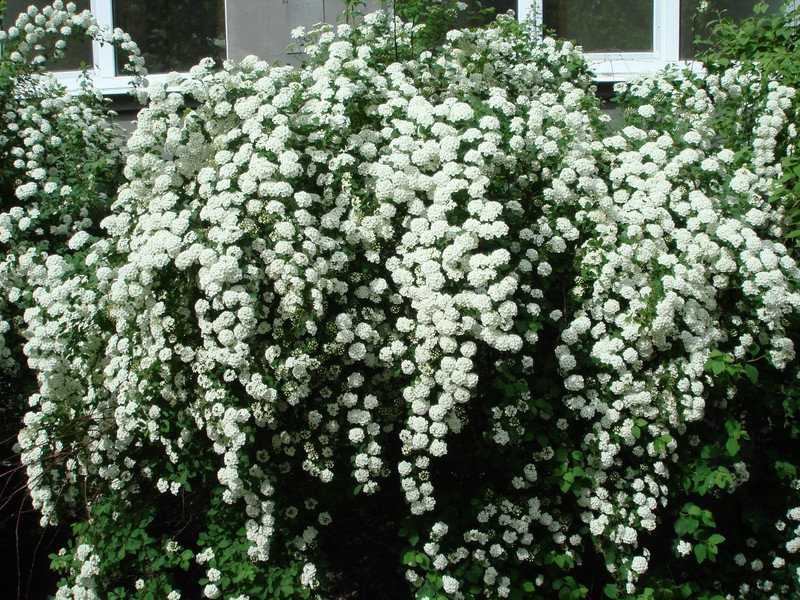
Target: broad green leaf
{"x":700,"y":553}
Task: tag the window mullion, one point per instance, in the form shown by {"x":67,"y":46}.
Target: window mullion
{"x":227,"y":32}
{"x":105,"y":63}
{"x":524,"y":9}
{"x":668,"y":30}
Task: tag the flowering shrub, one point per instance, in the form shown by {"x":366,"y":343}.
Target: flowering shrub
{"x":764,"y":43}
{"x":61,"y":163}
{"x":428,"y":291}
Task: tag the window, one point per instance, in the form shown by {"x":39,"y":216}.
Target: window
{"x":76,"y":53}
{"x":626,"y":37}
{"x":692,"y":23}
{"x":173,"y":35}
{"x":621,"y":37}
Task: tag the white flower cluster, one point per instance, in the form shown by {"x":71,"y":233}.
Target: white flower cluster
{"x":673,"y":241}
{"x":778,"y":566}
{"x":331,"y":277}
{"x":83,"y":576}
{"x":63,"y":154}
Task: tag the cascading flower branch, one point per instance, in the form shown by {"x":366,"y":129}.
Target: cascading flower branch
{"x":62,"y":158}
{"x":429,"y":278}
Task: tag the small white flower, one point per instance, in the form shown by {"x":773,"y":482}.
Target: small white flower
{"x":639,"y":564}
{"x":78,"y":240}
{"x":26,"y":190}
{"x":308,"y":578}
{"x":450,"y":584}
{"x":646,"y":110}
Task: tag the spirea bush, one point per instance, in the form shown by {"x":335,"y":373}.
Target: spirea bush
{"x":61,"y":160}
{"x":424,"y":307}
{"x":763,"y":43}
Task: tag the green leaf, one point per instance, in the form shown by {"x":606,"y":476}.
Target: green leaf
{"x":708,"y":519}
{"x":752,"y":373}
{"x":732,"y":446}
{"x":700,"y":553}
{"x":685,"y":525}
{"x":611,"y":591}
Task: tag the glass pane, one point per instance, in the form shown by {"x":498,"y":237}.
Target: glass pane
{"x":694,"y":24}
{"x":172,"y":34}
{"x":77,"y":52}
{"x":602,"y":25}
{"x":471,"y":17}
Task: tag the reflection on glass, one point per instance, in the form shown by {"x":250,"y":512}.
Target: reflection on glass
{"x":694,"y":24}
{"x":172,"y":34}
{"x":602,"y":25}
{"x":77,"y":52}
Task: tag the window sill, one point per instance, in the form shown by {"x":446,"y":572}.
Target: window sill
{"x":108,"y":86}
{"x":613,"y":70}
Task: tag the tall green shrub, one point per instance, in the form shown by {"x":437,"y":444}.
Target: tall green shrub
{"x":766,"y":46}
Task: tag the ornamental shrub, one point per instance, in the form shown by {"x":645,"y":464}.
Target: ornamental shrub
{"x":422,"y":314}
{"x":61,"y":161}
{"x":763,"y":44}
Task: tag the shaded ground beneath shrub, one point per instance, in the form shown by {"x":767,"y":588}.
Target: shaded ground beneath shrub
{"x":24,"y":544}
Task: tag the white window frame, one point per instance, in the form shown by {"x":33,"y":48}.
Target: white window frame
{"x":104,"y":67}
{"x":610,"y":67}
{"x":619,"y":66}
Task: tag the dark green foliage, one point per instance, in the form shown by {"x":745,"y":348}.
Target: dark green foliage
{"x":765,"y":44}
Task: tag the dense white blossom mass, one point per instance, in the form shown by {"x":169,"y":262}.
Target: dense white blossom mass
{"x":353,"y":273}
